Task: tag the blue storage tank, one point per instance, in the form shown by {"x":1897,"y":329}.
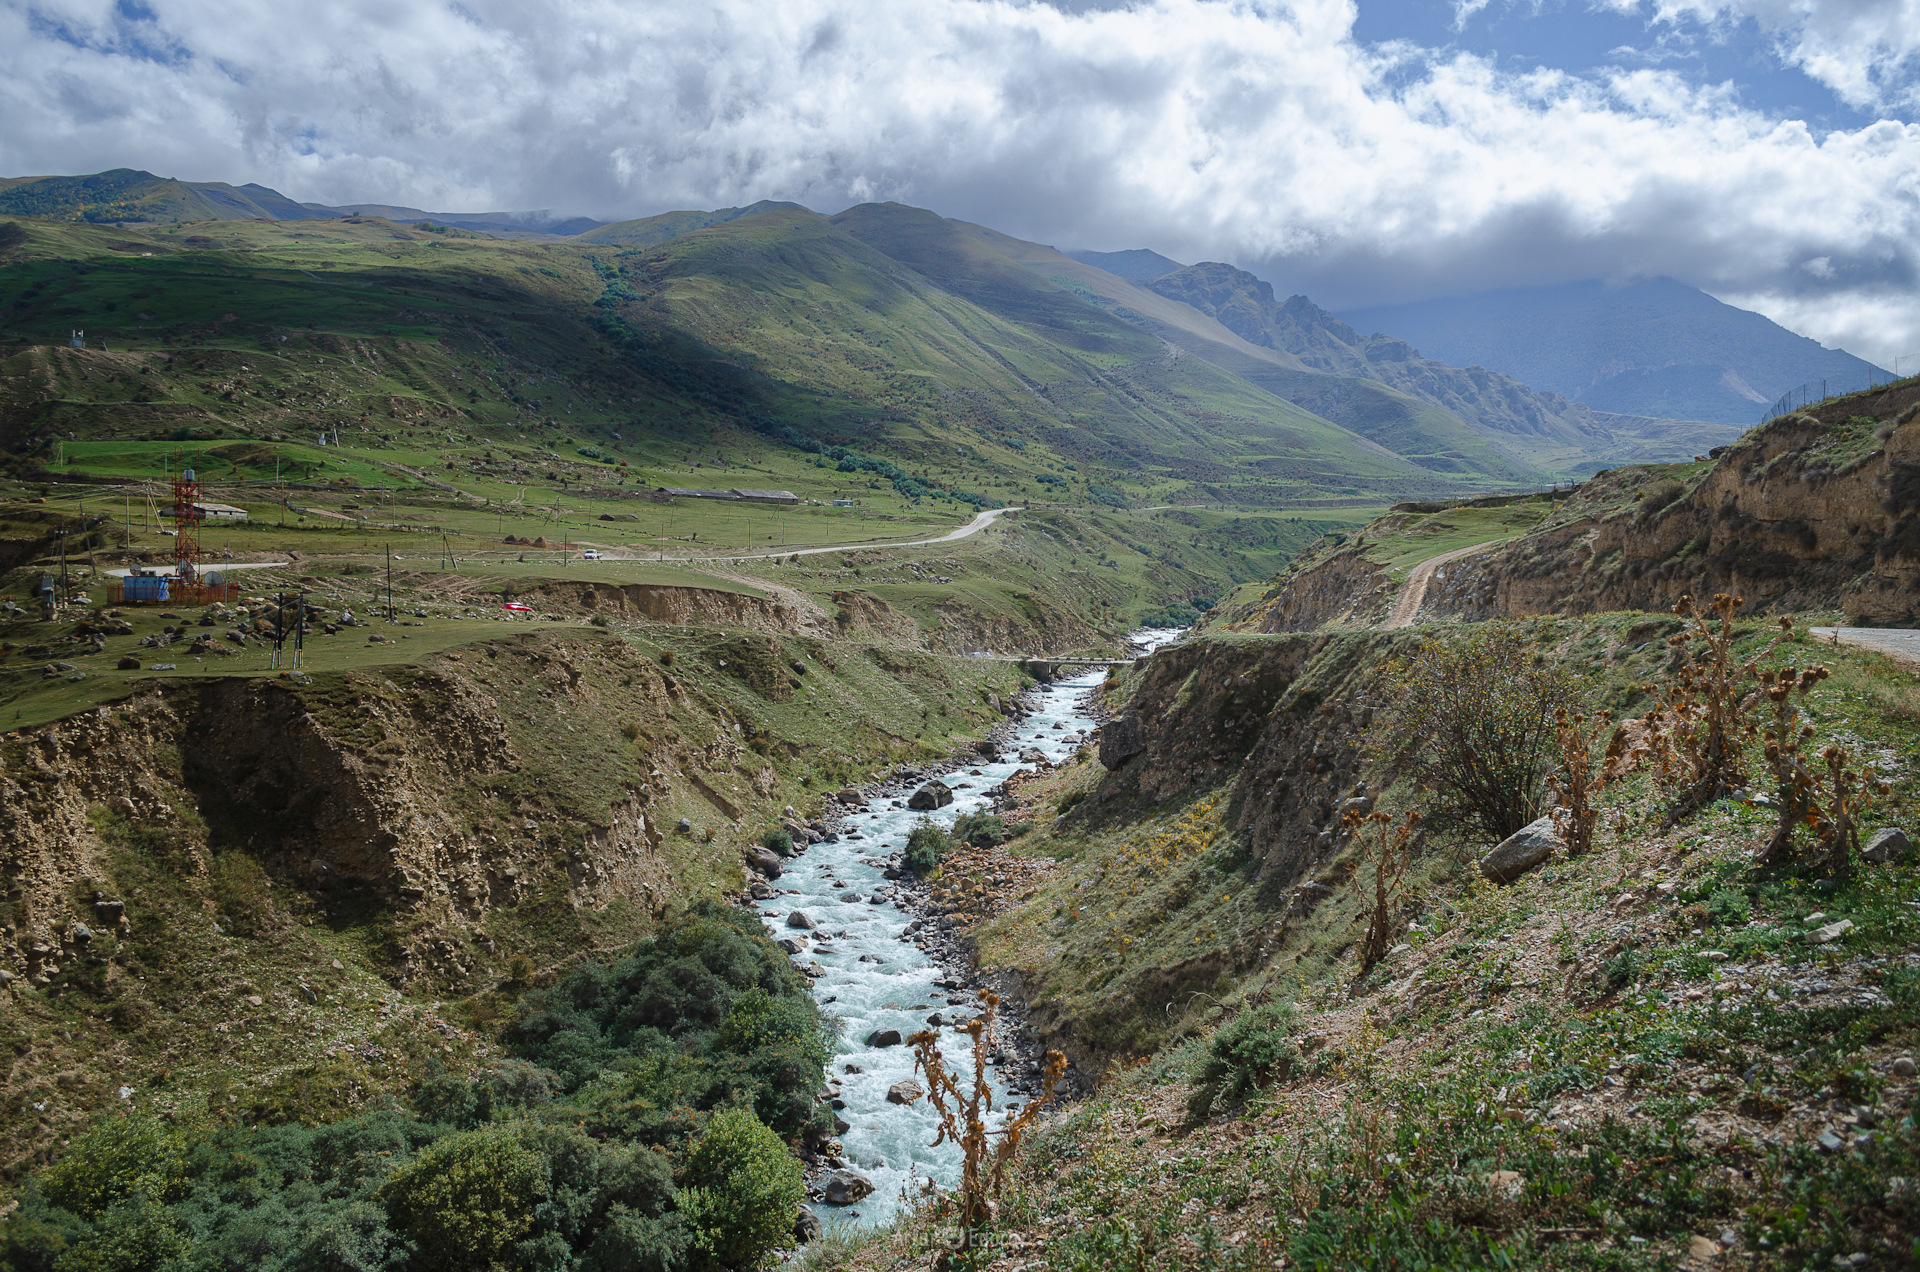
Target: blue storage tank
{"x":145,"y":587}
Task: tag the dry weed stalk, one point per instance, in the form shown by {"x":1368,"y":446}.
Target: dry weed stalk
{"x":963,"y":1112}
{"x":1698,"y":726}
{"x":1388,"y":849}
{"x":1796,"y":782}
{"x":1848,"y":794}
{"x":1579,"y":780}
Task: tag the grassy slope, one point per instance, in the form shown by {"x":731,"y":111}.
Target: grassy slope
{"x":1640,"y":1100}
{"x":1429,"y":435}
{"x":271,"y":329}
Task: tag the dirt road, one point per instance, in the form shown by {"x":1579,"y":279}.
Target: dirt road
{"x":1414,"y":591}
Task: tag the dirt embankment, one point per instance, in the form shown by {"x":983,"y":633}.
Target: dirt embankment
{"x":1345,"y":590}
{"x":1283,"y":719}
{"x":1812,"y":511}
{"x":439,"y":791}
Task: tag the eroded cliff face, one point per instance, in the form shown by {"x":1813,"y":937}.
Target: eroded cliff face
{"x":1810,"y":512}
{"x":1282,"y":719}
{"x":1346,"y":590}
{"x":433,"y":789}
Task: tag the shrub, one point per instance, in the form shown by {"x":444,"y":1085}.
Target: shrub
{"x":1472,"y":718}
{"x":1253,"y":1048}
{"x":740,"y":1191}
{"x":982,"y":829}
{"x":118,"y":1160}
{"x":1702,"y":711}
{"x":469,"y":1198}
{"x":1387,"y":850}
{"x":927,"y":843}
{"x":779,"y":841}
{"x":1578,"y":780}
{"x":666,"y":658}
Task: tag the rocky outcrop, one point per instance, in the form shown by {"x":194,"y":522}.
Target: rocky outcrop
{"x":1809,"y":512}
{"x":1532,"y":845}
{"x":1346,"y":590}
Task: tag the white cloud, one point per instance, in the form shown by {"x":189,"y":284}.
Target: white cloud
{"x":1866,"y":51}
{"x":1253,"y":131}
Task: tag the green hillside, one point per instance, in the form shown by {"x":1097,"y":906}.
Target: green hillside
{"x":945,"y":375}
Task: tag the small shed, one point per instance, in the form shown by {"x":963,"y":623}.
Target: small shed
{"x":220,"y":512}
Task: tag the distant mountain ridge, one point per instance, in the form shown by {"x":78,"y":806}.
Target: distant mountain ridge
{"x":129,"y":195}
{"x":1136,"y":265}
{"x":1502,"y":407}
{"x":1653,"y":347}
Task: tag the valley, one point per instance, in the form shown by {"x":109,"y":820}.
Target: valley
{"x":426,"y":897}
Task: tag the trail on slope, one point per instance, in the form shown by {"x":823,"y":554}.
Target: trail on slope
{"x":1414,"y":592}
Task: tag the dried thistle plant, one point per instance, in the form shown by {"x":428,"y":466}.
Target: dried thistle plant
{"x":963,"y":1110}
{"x":1701,"y":719}
{"x":1579,"y":779}
{"x":1388,"y":850}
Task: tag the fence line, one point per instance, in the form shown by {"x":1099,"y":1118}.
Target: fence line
{"x":1802,"y":396}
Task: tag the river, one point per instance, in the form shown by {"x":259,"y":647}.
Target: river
{"x":876,"y":978}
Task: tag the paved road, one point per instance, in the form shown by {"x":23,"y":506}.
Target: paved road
{"x":1414,"y":591}
{"x":1899,"y":644}
{"x":978,"y":524}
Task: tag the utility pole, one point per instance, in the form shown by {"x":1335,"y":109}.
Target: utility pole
{"x":390,"y":615}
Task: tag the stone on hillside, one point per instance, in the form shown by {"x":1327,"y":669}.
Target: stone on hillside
{"x":844,"y":1187}
{"x":129,"y":663}
{"x":806,"y":1226}
{"x":684,"y":826}
{"x":884,"y":1038}
{"x":904,"y":1093}
{"x":935,"y":794}
{"x":799,"y":919}
{"x":1831,"y":932}
{"x":1521,"y":851}
{"x":1888,"y":845}
{"x":763,"y":861}
{"x":1121,"y":740}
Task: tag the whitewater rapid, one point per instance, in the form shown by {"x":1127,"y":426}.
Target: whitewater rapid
{"x":877,"y":979}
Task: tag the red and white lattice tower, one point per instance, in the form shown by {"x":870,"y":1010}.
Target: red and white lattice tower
{"x":186,"y":521}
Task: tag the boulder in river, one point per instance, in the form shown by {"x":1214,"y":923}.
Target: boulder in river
{"x":884,"y":1038}
{"x":904,"y":1092}
{"x":764,"y":862}
{"x":799,"y":919}
{"x":935,"y":794}
{"x":844,"y":1187}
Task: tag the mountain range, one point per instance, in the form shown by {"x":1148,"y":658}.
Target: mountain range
{"x":129,"y":196}
{"x":1651,"y":347}
{"x":1185,"y":372}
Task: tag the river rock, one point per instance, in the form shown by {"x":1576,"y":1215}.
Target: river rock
{"x":1521,"y":851}
{"x":904,"y":1093}
{"x":935,"y":794}
{"x":763,"y":861}
{"x":1034,"y":755}
{"x":799,"y":919}
{"x":844,"y":1187}
{"x":806,"y":1226}
{"x":1888,"y":845}
{"x":884,"y":1038}
{"x":790,"y":945}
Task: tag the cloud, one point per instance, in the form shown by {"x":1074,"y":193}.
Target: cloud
{"x":1866,"y":51}
{"x":1257,"y":132}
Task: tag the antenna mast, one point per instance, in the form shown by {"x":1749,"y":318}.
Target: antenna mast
{"x":186,"y":521}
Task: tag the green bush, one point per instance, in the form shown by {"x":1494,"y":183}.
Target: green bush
{"x":779,"y":841}
{"x":982,"y":829}
{"x":741,"y":1190}
{"x":1253,"y":1048}
{"x":469,"y":1198}
{"x":1473,"y":719}
{"x":118,"y":1160}
{"x":927,"y":843}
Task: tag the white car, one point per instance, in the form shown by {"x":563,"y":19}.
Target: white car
{"x":591,"y":554}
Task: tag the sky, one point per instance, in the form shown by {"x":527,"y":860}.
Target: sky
{"x":1362,"y":153}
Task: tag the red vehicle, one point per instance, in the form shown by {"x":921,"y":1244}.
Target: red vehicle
{"x":517,"y":608}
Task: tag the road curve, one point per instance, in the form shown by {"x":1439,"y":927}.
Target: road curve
{"x":1414,"y":591}
{"x":1900,"y":644}
{"x":979,"y":523}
